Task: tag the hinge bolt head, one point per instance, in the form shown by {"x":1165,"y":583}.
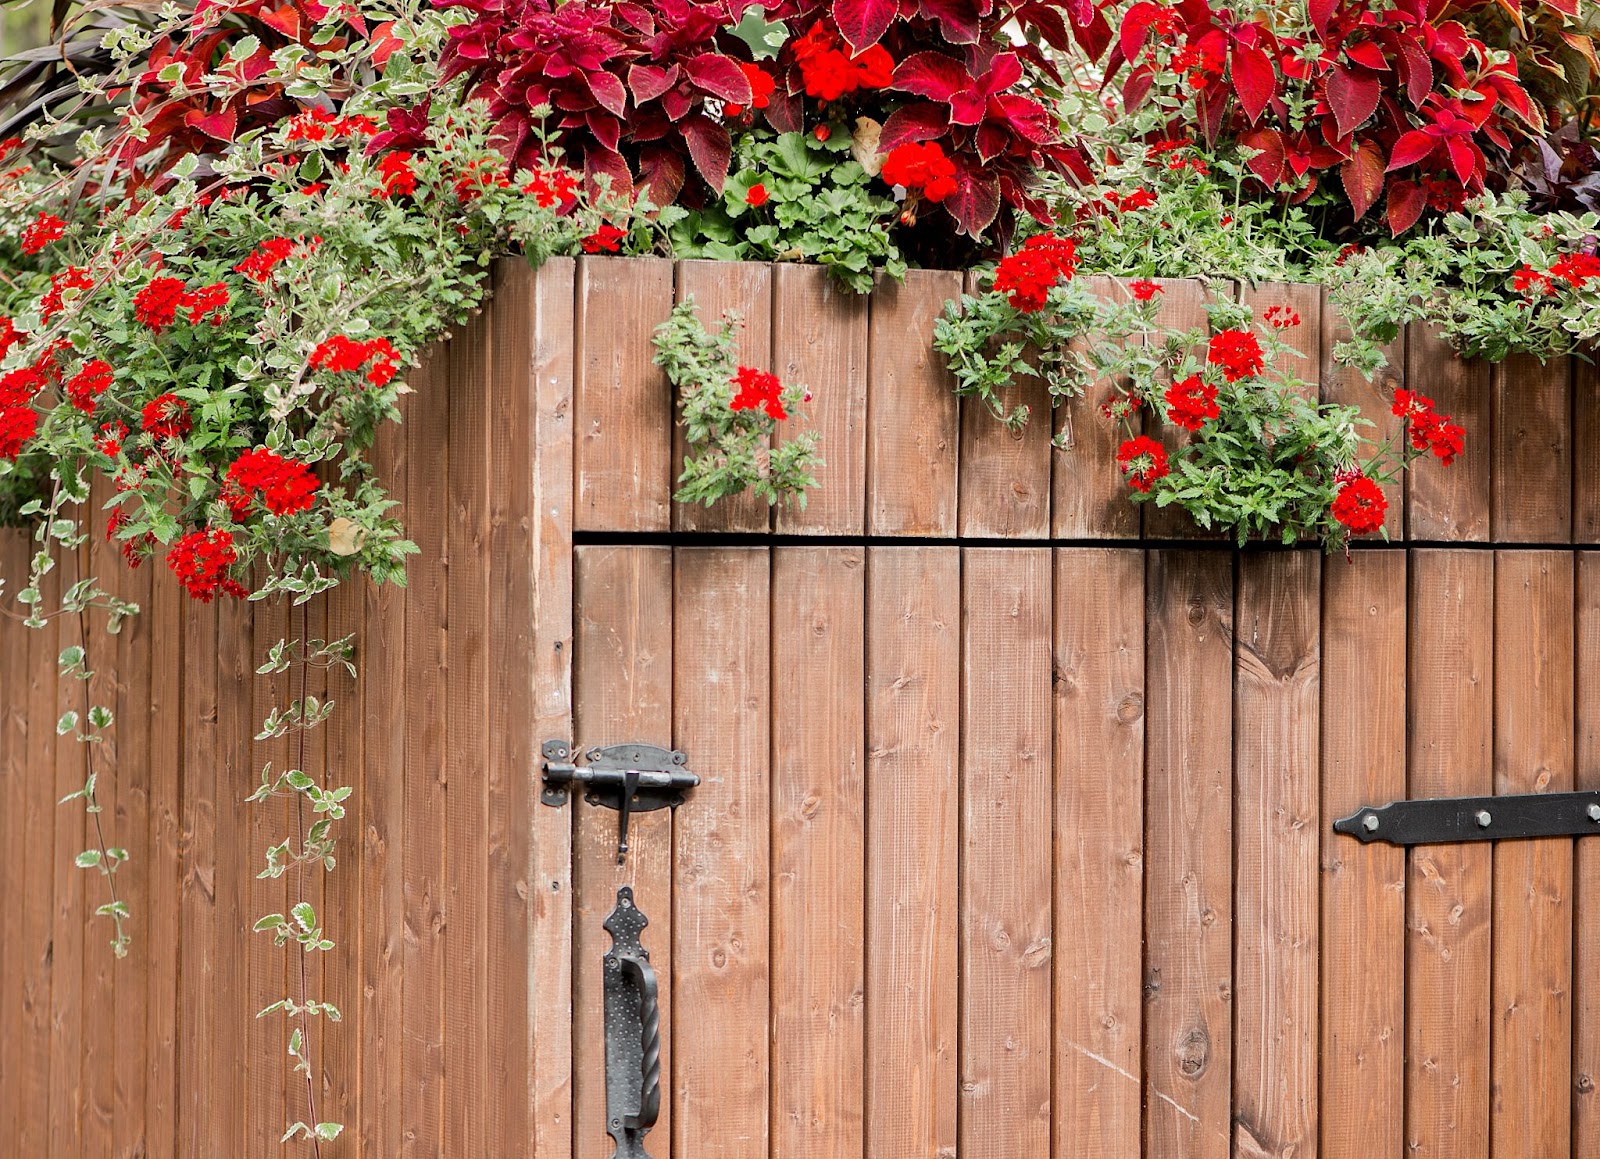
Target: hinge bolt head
{"x":1484,"y":818}
{"x":1594,"y":812}
{"x":1370,"y":821}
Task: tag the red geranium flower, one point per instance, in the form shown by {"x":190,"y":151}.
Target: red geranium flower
{"x":822,"y":132}
{"x":921,"y":165}
{"x":1192,"y":403}
{"x":165,"y":417}
{"x":45,"y":228}
{"x":1143,"y":461}
{"x":1360,"y":505}
{"x":757,"y":196}
{"x":828,"y":73}
{"x":1236,"y":352}
{"x":761,"y":89}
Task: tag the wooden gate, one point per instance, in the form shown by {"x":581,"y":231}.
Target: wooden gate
{"x":1013,"y":831}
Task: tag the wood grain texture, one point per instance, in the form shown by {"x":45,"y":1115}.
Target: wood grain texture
{"x":1450,"y":503}
{"x":1532,"y":934}
{"x":13,"y":778}
{"x":722,"y":853}
{"x":819,"y":339}
{"x":1188,"y":916}
{"x":1088,"y":495}
{"x":1585,"y":451}
{"x":717,"y":288}
{"x":911,"y":465}
{"x":913,"y":737}
{"x":1363,"y":899}
{"x":167,"y":640}
{"x":1277,"y":832}
{"x":1098,"y":949}
{"x":1449,"y":739}
{"x":1303,"y":338}
{"x":1005,"y":474}
{"x":1349,"y":387}
{"x":1006,"y":804}
{"x":68,"y":895}
{"x":623,"y":401}
{"x":548,"y":613}
{"x":818,"y":852}
{"x":1586,"y":871}
{"x":199,"y":1084}
{"x":34,"y":924}
{"x":1531,"y":472}
{"x":622,"y":692}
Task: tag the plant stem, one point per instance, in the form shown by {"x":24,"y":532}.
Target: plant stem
{"x":91,"y":806}
{"x":300,"y":825}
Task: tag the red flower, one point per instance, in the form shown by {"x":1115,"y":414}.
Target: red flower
{"x":1409,"y":404}
{"x":921,"y":165}
{"x":9,"y":336}
{"x":1144,"y":289}
{"x":54,"y":300}
{"x":46,"y":228}
{"x":1143,"y":461}
{"x":264,"y":259}
{"x":761,"y":89}
{"x":165,"y":417}
{"x":208,"y":300}
{"x":1138,"y":199}
{"x":606,"y":239}
{"x":109,"y":443}
{"x":1236,"y":352}
{"x":1027,"y":276}
{"x":1192,"y":403}
{"x":157,"y":304}
{"x":18,"y":424}
{"x":1429,"y":431}
{"x":1576,"y":269}
{"x":201,"y":561}
{"x":758,"y":390}
{"x":397,"y":176}
{"x":1529,"y":279}
{"x":757,"y":196}
{"x":18,"y":387}
{"x":829,"y":74}
{"x":1281,"y":317}
{"x":1360,"y":505}
{"x":822,"y":132}
{"x":551,"y":187}
{"x":133,"y":547}
{"x":91,"y":381}
{"x":341,"y":354}
{"x":285,"y":485}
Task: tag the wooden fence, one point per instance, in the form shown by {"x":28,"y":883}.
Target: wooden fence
{"x":1013,"y":832}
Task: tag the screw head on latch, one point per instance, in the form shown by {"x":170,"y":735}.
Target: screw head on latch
{"x":1483,"y":818}
{"x":1594,"y":812}
{"x":1370,"y":822}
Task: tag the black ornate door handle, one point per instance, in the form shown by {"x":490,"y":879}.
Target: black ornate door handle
{"x":633,"y":1031}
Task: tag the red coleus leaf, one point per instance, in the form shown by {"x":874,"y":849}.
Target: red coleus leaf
{"x":975,"y":202}
{"x":1465,"y":159}
{"x":607,"y":91}
{"x":1267,"y":164}
{"x":597,"y":162}
{"x":606,"y":129}
{"x":1026,"y":118}
{"x":933,"y":75}
{"x":1411,"y":148}
{"x":661,"y":174}
{"x":1367,"y":53}
{"x":1362,"y":175}
{"x":1417,"y":68}
{"x":286,"y":20}
{"x":720,"y":76}
{"x":863,"y":22}
{"x":1321,"y":12}
{"x":959,"y":20}
{"x":1136,"y":27}
{"x":709,"y":148}
{"x":1254,"y":79}
{"x":221,"y":126}
{"x":919,"y":121}
{"x":649,"y":81}
{"x":1352,"y":95}
{"x":1406,"y":202}
{"x":1136,"y":86}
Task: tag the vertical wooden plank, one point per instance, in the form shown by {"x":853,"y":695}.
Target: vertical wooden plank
{"x":168,"y":629}
{"x":382,"y":651}
{"x":911,"y":465}
{"x":1277,"y":834}
{"x":343,"y":888}
{"x":1005,"y":475}
{"x":1183,"y":307}
{"x":1532,"y":933}
{"x":550,"y":611}
{"x":624,"y":403}
{"x":1450,"y":503}
{"x":1006,"y":798}
{"x":13,"y":780}
{"x":67,"y":898}
{"x":913,"y":738}
{"x":1531,"y":473}
{"x":1585,"y":450}
{"x":722,"y":668}
{"x":1349,"y":387}
{"x":466,"y":1011}
{"x":1089,"y":497}
{"x":1303,"y":338}
{"x":1363,"y":899}
{"x":818,"y":852}
{"x":717,"y":288}
{"x":1189,"y":854}
{"x":1099,"y":851}
{"x":819,"y":339}
{"x":200,"y":1087}
{"x":1586,"y":873}
{"x":1449,"y":740}
{"x":423,"y":966}
{"x":622,"y":691}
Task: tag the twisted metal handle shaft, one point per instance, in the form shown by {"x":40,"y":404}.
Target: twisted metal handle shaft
{"x":649,"y":1040}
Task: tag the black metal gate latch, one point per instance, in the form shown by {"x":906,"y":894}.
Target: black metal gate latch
{"x":630,"y":778}
{"x":633,"y":1032}
{"x":1449,"y":819}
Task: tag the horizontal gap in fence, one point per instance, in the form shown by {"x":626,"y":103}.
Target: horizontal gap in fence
{"x":779,"y":539}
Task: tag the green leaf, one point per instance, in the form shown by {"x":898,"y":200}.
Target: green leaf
{"x":329,"y":1131}
{"x":68,"y":722}
{"x":88,"y":859}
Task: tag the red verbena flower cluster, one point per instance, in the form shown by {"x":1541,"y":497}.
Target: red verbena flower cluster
{"x":201,"y":561}
{"x":165,"y":417}
{"x":43,"y":230}
{"x":284,"y":485}
{"x":1027,"y":276}
{"x":265,"y":258}
{"x":84,"y":388}
{"x":1576,"y":270}
{"x":324,"y":125}
{"x":551,"y":187}
{"x":1143,"y":461}
{"x":1237,"y":353}
{"x":54,"y":300}
{"x":1429,"y":430}
{"x":341,"y":354}
{"x":758,"y":390}
{"x":158,"y":303}
{"x":1192,"y":403}
{"x":397,"y":177}
{"x":1143,"y":290}
{"x":1281,"y":317}
{"x":1360,"y":505}
{"x":109,"y":442}
{"x":18,"y":424}
{"x":607,"y":239}
{"x":134,"y":546}
{"x":920,"y":165}
{"x":830,"y":73}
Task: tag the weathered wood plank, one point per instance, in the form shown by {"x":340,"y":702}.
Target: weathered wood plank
{"x":1586,"y":873}
{"x":1349,"y":387}
{"x":200,"y":1087}
{"x":1585,"y":451}
{"x":1532,"y":933}
{"x":1189,"y":855}
{"x":623,"y":401}
{"x":1089,"y":497}
{"x":913,"y":427}
{"x":1363,"y":900}
{"x":1277,"y":832}
{"x":1099,"y":850}
{"x":819,"y":339}
{"x":913,"y":738}
{"x":1531,"y":472}
{"x":1450,"y":503}
{"x":622,"y":692}
{"x":1449,"y":753}
{"x":718,"y":288}
{"x":1006,"y":805}
{"x":167,"y":877}
{"x":67,"y":897}
{"x":818,"y":852}
{"x":13,"y":781}
{"x":722,"y":853}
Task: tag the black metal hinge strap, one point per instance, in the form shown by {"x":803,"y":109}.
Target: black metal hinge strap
{"x":1449,"y":819}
